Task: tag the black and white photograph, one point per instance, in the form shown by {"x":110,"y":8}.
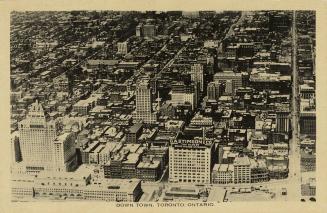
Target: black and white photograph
{"x":163,"y":108}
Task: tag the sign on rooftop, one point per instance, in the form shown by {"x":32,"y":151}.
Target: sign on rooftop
{"x":193,"y":143}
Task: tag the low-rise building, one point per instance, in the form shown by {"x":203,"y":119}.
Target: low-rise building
{"x":129,"y":165}
{"x":223,"y":174}
{"x":76,"y":186}
{"x":182,"y":192}
{"x":148,"y":171}
{"x":134,"y":133}
{"x":308,"y":188}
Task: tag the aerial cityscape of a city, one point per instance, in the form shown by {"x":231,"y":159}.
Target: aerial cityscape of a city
{"x":163,"y":106}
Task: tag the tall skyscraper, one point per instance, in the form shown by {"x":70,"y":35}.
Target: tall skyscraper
{"x":197,"y":75}
{"x":37,"y":136}
{"x":144,"y":110}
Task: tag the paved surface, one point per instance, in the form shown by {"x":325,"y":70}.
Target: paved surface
{"x":294,"y":162}
{"x":170,"y":62}
{"x":239,"y":21}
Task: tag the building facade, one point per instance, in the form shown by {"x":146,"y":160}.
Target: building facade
{"x":144,"y":112}
{"x":235,"y":78}
{"x":65,"y":158}
{"x":282,"y":122}
{"x":148,"y":171}
{"x":308,"y":122}
{"x":223,"y":174}
{"x":37,"y":137}
{"x":134,"y":133}
{"x":242,"y":170}
{"x":149,"y":30}
{"x":214,"y":90}
{"x":197,"y":75}
{"x":77,"y":186}
{"x":190,"y":161}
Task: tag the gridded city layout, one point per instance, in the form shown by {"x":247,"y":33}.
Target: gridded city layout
{"x":174,"y":106}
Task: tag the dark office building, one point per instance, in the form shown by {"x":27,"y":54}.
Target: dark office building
{"x":134,"y":133}
{"x":149,"y":171}
{"x":308,"y":123}
{"x":282,"y":122}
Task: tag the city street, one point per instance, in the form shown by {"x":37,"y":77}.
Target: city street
{"x":294,"y":164}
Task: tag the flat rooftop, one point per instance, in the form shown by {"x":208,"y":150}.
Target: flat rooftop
{"x":242,"y":161}
{"x":81,"y":173}
{"x":114,"y":185}
{"x":135,"y":128}
{"x":148,"y":165}
{"x":132,"y":158}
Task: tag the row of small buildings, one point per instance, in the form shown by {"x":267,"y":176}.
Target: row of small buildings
{"x":125,"y":161}
{"x":243,"y":170}
{"x":147,"y":165}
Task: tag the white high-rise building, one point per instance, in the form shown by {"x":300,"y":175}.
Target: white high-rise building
{"x":37,"y":136}
{"x":197,"y":75}
{"x":190,"y":160}
{"x":144,"y":112}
